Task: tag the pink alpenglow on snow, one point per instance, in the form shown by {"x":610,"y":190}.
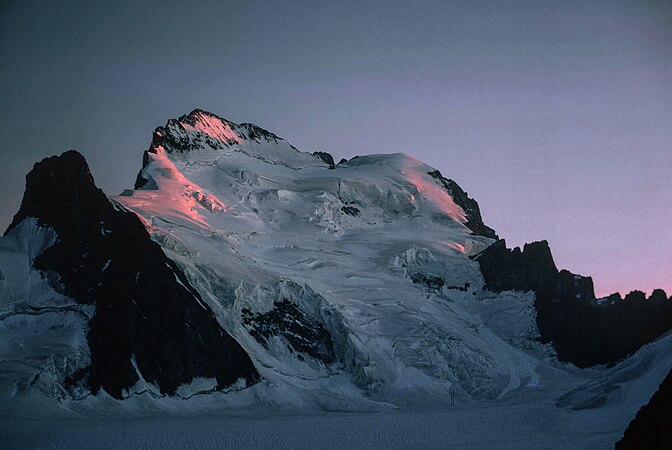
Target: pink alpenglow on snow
{"x":454,"y":245}
{"x":214,"y":127}
{"x":416,"y":174}
{"x":178,"y":197}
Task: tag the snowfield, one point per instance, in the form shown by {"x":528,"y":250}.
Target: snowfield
{"x":352,"y":290}
{"x":530,"y":419}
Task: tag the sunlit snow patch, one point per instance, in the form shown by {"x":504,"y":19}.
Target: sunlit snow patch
{"x":177,"y":199}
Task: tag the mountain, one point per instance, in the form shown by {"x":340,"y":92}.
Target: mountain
{"x":145,"y":321}
{"x":242,"y":269}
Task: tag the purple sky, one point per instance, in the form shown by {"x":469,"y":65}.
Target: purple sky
{"x":556,"y":116}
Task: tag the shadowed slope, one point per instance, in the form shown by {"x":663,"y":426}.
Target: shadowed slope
{"x":149,"y":321}
{"x":583,"y":331}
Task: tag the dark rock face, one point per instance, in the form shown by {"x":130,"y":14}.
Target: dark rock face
{"x":147,"y":315}
{"x":434,"y":283}
{"x":303,"y":333}
{"x":431,"y":282}
{"x":652,"y":427}
{"x":351,"y":210}
{"x":254,"y":132}
{"x":531,"y":269}
{"x":327,"y":158}
{"x":582,"y":331}
{"x":468,"y":205}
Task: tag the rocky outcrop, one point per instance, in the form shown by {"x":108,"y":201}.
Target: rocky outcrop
{"x":468,"y":205}
{"x":303,"y":334}
{"x":149,"y":322}
{"x":327,"y":158}
{"x":583,"y":330}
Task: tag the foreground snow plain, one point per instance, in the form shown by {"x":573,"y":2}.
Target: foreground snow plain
{"x":252,"y":221}
{"x":531,"y":420}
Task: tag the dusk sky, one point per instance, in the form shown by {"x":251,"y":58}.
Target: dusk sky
{"x":555,"y":115}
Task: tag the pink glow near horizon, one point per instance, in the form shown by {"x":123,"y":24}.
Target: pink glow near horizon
{"x":610,"y":272}
{"x":605,"y":286}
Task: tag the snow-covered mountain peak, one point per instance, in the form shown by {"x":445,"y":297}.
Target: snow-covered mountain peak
{"x":203,"y":137}
{"x":219,"y":128}
{"x":205,"y":165}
